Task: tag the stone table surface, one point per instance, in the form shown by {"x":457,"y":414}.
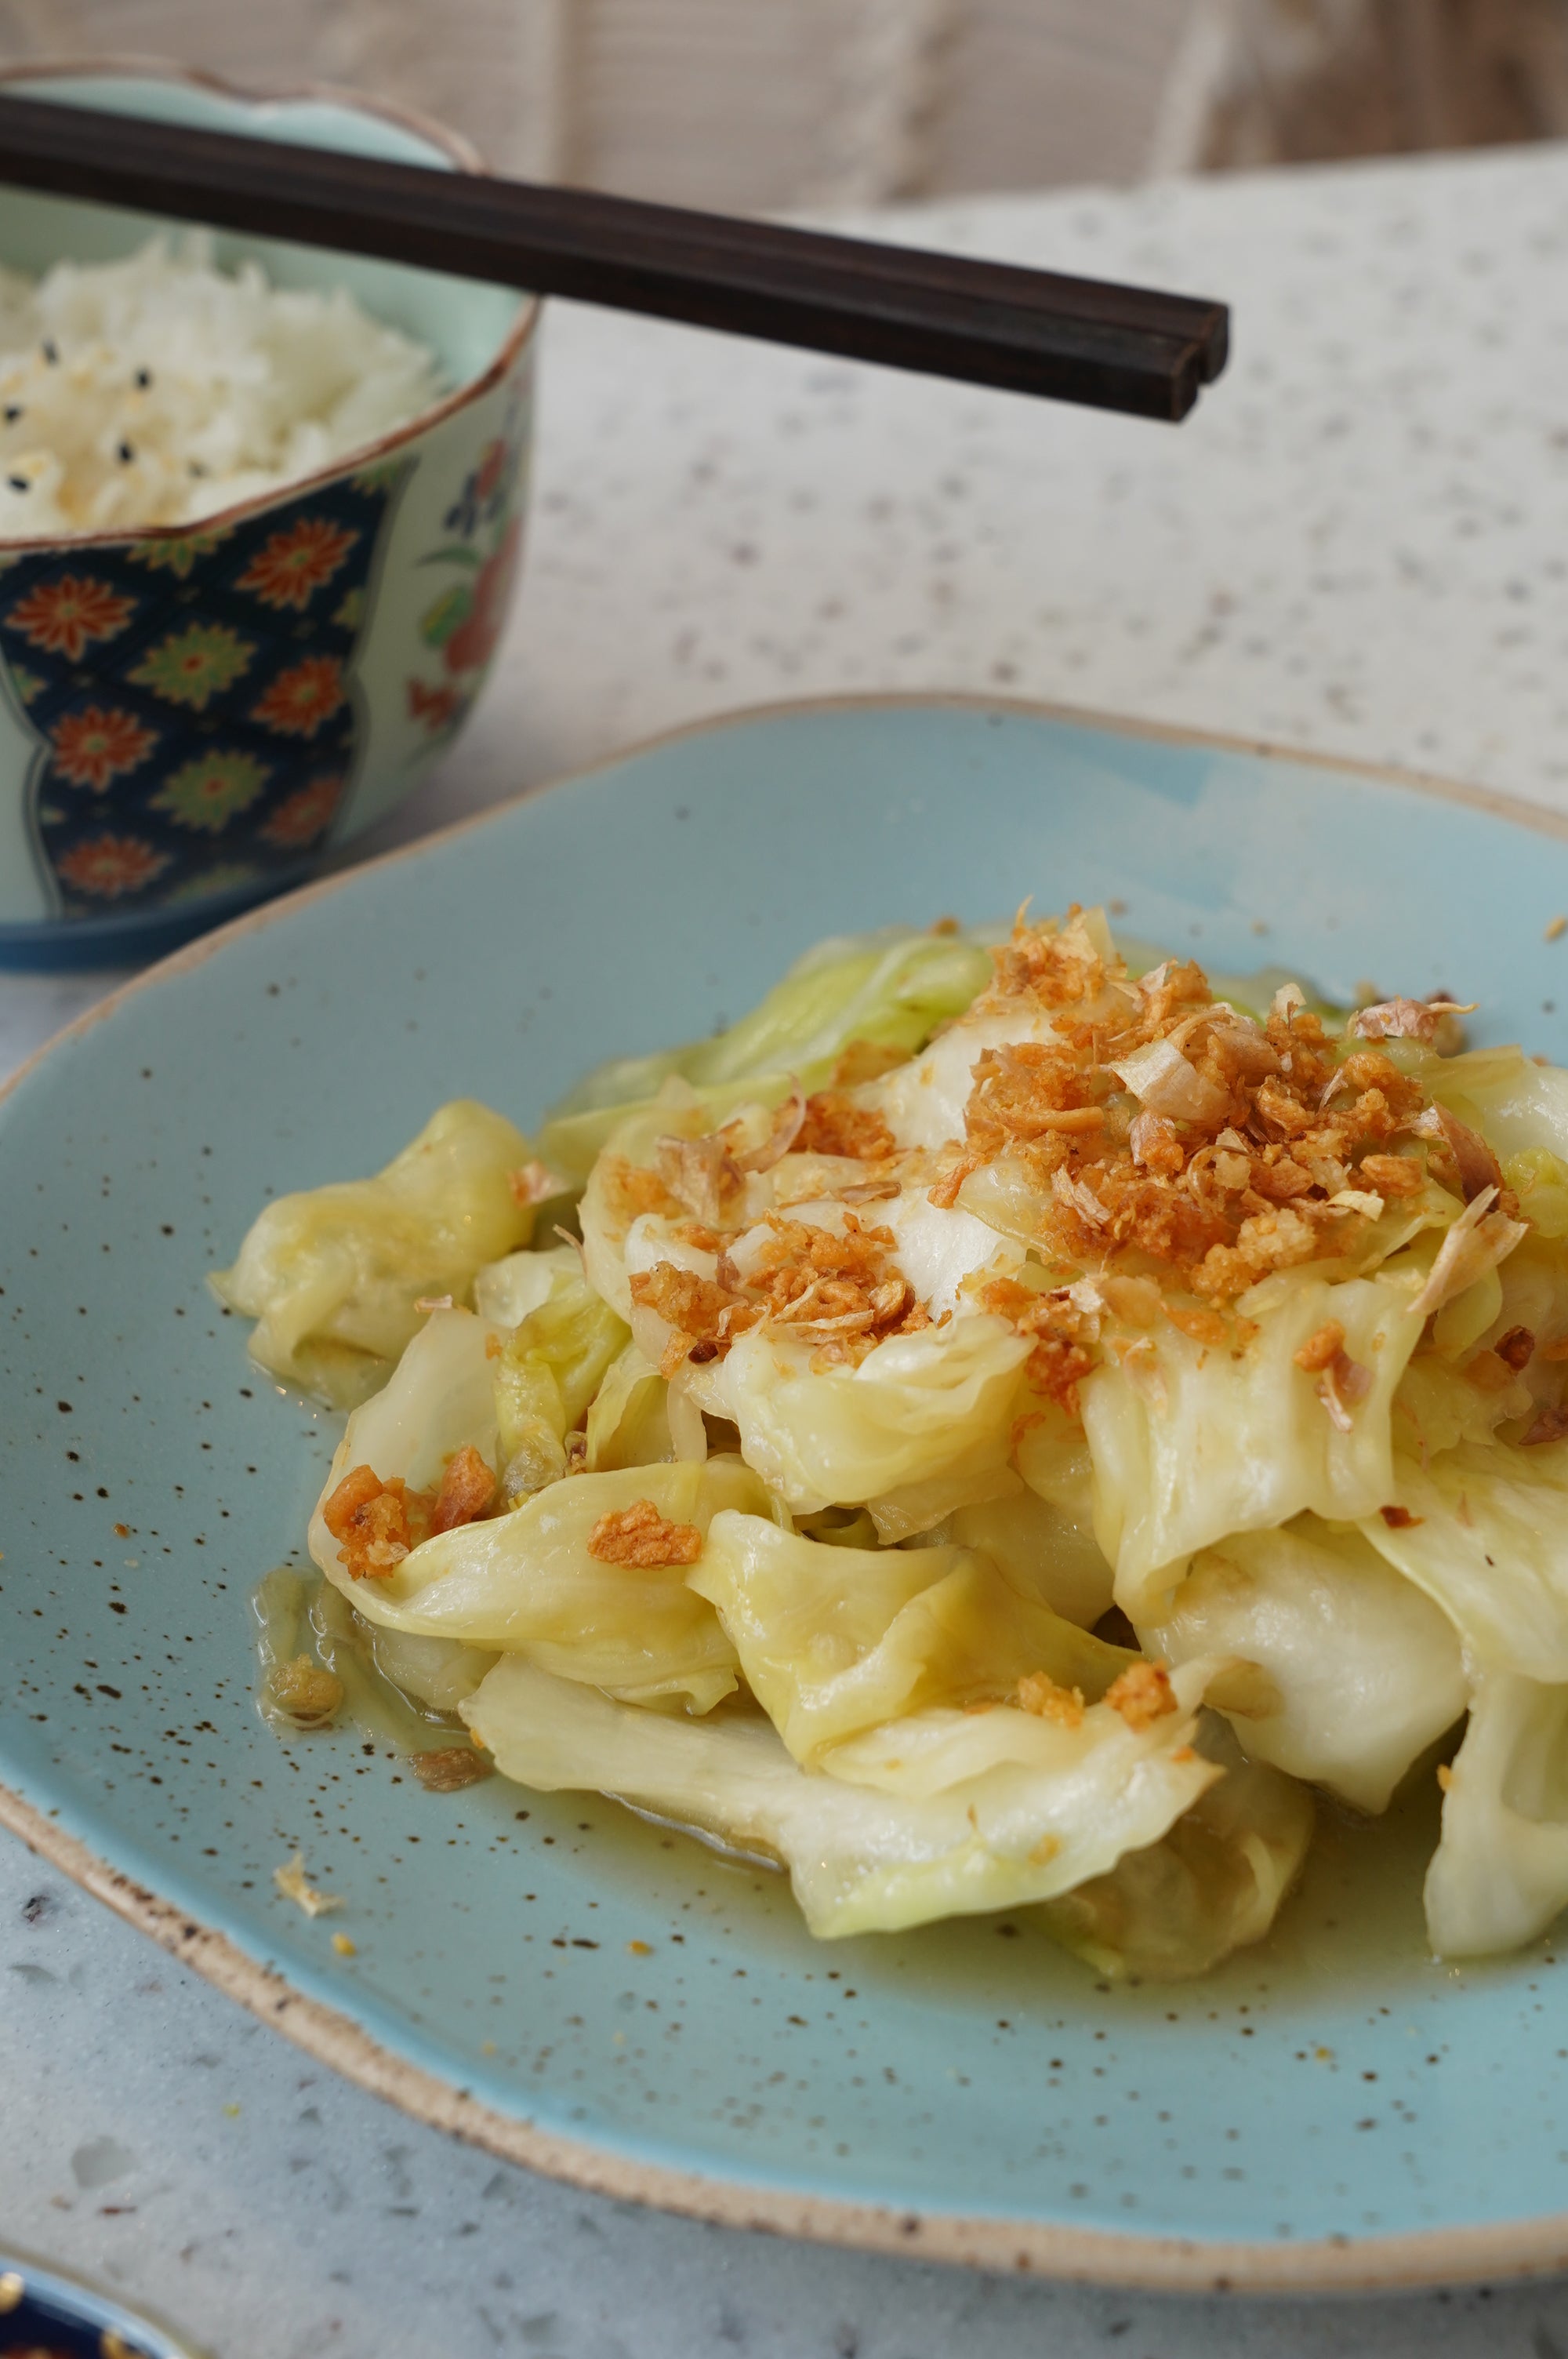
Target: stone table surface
{"x":1359,"y":544}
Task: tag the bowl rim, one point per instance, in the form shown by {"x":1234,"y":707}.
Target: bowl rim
{"x":1524,"y":2246}
{"x":50,"y":2282}
{"x":465,"y":158}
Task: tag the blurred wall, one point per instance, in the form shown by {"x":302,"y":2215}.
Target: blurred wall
{"x":755,"y":104}
{"x":1269,"y":81}
{"x":738,"y":103}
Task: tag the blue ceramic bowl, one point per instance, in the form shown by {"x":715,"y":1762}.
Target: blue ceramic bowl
{"x":190,"y":716}
{"x":46,"y":2317}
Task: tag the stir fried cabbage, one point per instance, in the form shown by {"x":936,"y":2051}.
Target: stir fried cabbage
{"x":1028,"y":1814}
{"x":1500,"y":1875}
{"x":1192,"y":1442}
{"x":829,"y":1655}
{"x":333,"y":1277}
{"x":1214,"y":1882}
{"x":886,"y":992}
{"x":1484,"y":1531}
{"x":1020,"y":1422}
{"x":1343,"y":1674}
{"x":918,"y":1407}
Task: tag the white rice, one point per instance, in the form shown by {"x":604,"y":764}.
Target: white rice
{"x":160,"y":390}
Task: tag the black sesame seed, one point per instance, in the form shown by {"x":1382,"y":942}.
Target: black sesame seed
{"x":49,"y":350}
{"x":126,"y":454}
{"x":18,"y":483}
{"x":143,"y":378}
{"x":12,"y":411}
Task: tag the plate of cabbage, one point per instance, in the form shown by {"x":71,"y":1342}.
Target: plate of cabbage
{"x":891,"y":1553}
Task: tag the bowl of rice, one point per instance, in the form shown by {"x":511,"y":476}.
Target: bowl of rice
{"x":260,"y":514}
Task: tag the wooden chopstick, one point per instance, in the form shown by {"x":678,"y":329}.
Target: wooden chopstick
{"x":1036,"y":331}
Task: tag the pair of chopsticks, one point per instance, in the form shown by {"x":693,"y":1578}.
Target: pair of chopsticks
{"x":1036,"y":331}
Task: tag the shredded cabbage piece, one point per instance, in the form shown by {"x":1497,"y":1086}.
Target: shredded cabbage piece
{"x":1043,"y":1549}
{"x":333,"y":1277}
{"x":889,"y":991}
{"x":828,"y":1658}
{"x":1193,"y":1442}
{"x":1345,"y":1673}
{"x":1500,"y":1875}
{"x":529,"y":1583}
{"x":941,"y":1402}
{"x":1213,"y":1883}
{"x":1036,"y":1815}
{"x":629,"y":1422}
{"x":1484,"y":1531}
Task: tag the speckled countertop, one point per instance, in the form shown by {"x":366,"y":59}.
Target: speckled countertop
{"x":1359,"y":544}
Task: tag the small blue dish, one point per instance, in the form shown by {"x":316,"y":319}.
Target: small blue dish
{"x":43,"y":2316}
{"x":546,"y":1974}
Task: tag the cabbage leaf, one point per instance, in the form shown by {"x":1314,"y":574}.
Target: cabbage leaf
{"x":1499,"y":1874}
{"x":1516,"y":1103}
{"x":1360,"y":1671}
{"x":889,"y":989}
{"x":1053,"y":1807}
{"x":1214,"y":1884}
{"x":525,"y":1583}
{"x":1487,"y":1538}
{"x":1436,"y":1406}
{"x":608,"y":1221}
{"x":937,"y":1403}
{"x":506,"y":1291}
{"x":525,"y":1578}
{"x":830,"y":1646}
{"x":437,"y":1673}
{"x":1042,"y":1548}
{"x":1193,"y":1442}
{"x":629,"y":1423}
{"x":440,"y":1399}
{"x":553,"y":1361}
{"x":923,"y":1102}
{"x":331,"y":1276}
{"x":1055,"y":1546}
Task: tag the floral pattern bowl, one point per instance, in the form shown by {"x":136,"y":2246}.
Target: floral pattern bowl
{"x":192,"y":716}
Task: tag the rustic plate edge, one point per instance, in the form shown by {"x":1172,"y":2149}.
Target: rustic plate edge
{"x":1017,"y":2247}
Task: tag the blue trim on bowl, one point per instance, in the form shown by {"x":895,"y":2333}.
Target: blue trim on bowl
{"x":137,"y":935}
{"x":71,"y":2322}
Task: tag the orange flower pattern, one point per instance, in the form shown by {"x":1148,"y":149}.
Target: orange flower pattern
{"x":191,"y":701}
{"x":109,"y":866}
{"x":436,"y":707}
{"x":295,"y":564}
{"x":305,"y":815}
{"x":93,"y":746}
{"x":63,"y":617}
{"x":301,"y":700}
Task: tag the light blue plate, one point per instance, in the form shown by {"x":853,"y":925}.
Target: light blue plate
{"x":1333,"y":2108}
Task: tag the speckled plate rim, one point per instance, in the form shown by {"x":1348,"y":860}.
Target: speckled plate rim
{"x":1536,"y":2247}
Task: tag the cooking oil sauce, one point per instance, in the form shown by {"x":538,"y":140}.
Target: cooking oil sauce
{"x":1352,"y":1930}
{"x":300,"y":1613}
